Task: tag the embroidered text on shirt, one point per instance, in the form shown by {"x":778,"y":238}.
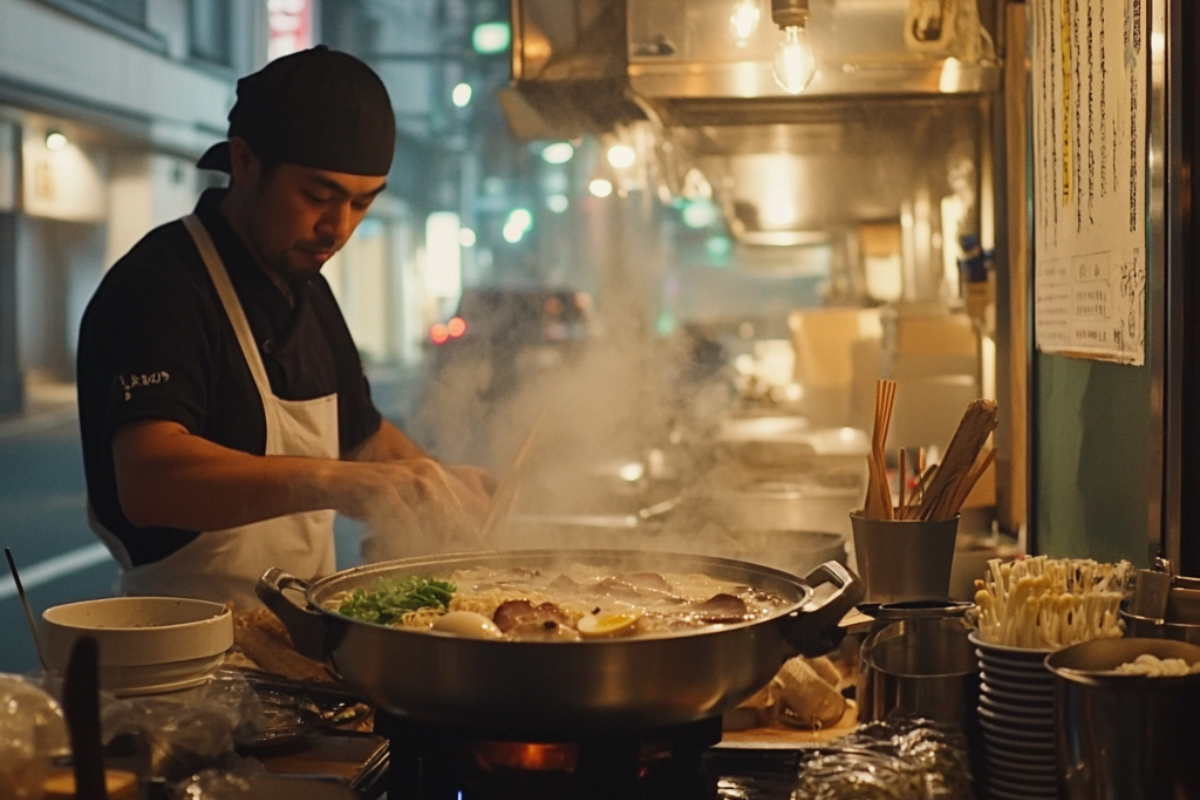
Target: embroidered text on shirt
{"x":132,"y":381}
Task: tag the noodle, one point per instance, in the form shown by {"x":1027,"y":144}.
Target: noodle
{"x":421,"y":618}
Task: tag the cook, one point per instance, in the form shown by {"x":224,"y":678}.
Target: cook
{"x":224,"y":411}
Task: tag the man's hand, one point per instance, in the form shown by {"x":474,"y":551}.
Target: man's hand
{"x":414,"y":507}
{"x":412,"y":504}
{"x":476,"y":479}
{"x":169,"y":477}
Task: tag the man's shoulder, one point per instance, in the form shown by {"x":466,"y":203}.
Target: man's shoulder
{"x":168,"y":245}
{"x":165,"y":260}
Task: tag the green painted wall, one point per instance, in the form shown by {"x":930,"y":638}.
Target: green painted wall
{"x":1093,"y":459}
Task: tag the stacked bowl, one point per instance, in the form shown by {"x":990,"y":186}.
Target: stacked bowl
{"x":1016,"y":717}
{"x":147,"y":645}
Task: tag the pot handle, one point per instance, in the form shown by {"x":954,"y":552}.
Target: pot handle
{"x":813,"y":630}
{"x":306,"y":628}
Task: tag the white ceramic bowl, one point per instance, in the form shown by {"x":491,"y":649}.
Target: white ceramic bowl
{"x":146,"y":644}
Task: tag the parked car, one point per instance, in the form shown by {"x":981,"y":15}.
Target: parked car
{"x":512,"y":319}
{"x":498,"y":341}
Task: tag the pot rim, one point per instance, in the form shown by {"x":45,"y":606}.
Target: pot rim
{"x":1107,"y":679}
{"x":396,"y":566}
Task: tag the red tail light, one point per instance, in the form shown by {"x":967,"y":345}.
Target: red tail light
{"x":456,"y":327}
{"x":439,"y":333}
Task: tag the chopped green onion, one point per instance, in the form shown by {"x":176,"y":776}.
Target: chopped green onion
{"x":392,"y":598}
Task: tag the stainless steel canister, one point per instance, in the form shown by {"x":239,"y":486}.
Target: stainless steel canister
{"x":923,"y":667}
{"x":1170,"y":611}
{"x":1147,"y":628}
{"x":885,"y":615}
{"x":904,"y":559}
{"x":1126,"y":737}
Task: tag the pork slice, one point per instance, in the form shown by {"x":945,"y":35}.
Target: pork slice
{"x":545,"y":630}
{"x":513,"y":613}
{"x":624,"y":587}
{"x":564,"y":584}
{"x":648,"y":580}
{"x":509,"y":579}
{"x":617,"y":589}
{"x":721,"y":608}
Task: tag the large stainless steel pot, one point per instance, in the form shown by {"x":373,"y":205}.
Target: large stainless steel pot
{"x":542,"y":689}
{"x":787,"y":502}
{"x":1125,"y":736}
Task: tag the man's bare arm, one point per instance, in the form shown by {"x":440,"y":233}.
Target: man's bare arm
{"x":169,"y":477}
{"x":387,"y":444}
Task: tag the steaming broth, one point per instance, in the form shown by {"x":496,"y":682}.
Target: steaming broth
{"x":524,"y":602}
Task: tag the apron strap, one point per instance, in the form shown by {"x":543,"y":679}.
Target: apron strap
{"x":233,"y":306}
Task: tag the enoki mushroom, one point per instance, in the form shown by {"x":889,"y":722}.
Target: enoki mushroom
{"x":1047,"y":603}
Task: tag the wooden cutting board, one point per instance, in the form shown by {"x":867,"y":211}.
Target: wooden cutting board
{"x":785,"y":735}
{"x":120,"y":785}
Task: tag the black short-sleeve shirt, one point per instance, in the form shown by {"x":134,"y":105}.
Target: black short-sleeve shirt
{"x":155,"y":343}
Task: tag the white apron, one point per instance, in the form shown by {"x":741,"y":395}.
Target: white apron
{"x":224,"y":566}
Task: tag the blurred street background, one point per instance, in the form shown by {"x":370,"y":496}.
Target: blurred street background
{"x":500,"y":250}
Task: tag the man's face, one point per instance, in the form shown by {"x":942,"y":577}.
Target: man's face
{"x":296,"y":218}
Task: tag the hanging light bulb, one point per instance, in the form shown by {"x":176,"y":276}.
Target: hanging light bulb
{"x":795,"y":63}
{"x":743,"y":22}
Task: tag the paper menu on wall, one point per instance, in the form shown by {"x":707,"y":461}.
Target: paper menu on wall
{"x":1088,"y":83}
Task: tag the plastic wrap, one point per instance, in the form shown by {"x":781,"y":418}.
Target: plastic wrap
{"x":32,"y":732}
{"x":904,"y":760}
{"x":185,"y":732}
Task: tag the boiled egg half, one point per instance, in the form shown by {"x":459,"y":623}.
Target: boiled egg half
{"x":607,"y":623}
{"x":467,"y":624}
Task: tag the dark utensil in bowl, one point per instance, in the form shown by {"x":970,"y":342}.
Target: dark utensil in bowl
{"x":81,"y":706}
{"x":33,"y":631}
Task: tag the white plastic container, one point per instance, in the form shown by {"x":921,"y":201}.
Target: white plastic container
{"x":147,"y":645}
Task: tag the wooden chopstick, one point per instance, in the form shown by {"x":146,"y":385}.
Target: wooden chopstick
{"x":967,"y":483}
{"x":918,"y":493}
{"x":940,"y":489}
{"x":878,"y":502}
{"x":973,"y":430}
{"x":505,"y":495}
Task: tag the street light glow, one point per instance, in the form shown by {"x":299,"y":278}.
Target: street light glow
{"x":489,"y":38}
{"x":621,"y":156}
{"x":601,"y":187}
{"x":699,"y":213}
{"x":461,"y":95}
{"x":520,"y":218}
{"x":55,"y":141}
{"x":519,"y":222}
{"x":466,"y":237}
{"x":558,"y":153}
{"x":558,"y":203}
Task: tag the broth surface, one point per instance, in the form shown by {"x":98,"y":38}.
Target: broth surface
{"x":583,"y":601}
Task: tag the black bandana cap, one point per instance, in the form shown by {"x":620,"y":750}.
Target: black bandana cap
{"x":318,"y":108}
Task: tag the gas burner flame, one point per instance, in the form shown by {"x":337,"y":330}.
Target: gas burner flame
{"x":526,"y":756}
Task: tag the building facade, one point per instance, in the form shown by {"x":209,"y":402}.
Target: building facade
{"x":106,"y":104}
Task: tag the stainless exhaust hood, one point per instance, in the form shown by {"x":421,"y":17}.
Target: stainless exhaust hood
{"x":898,"y":92}
{"x":580,"y":62}
{"x":681,"y":52}
{"x":856,"y":159}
